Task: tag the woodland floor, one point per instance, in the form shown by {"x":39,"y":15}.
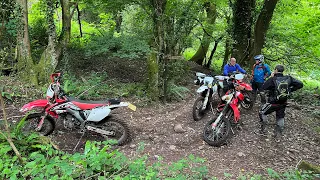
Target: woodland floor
{"x":245,"y":151}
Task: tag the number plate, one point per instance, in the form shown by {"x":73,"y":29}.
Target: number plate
{"x":132,"y":107}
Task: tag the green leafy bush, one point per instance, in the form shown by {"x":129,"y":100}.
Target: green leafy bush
{"x":124,"y":46}
{"x":98,"y":86}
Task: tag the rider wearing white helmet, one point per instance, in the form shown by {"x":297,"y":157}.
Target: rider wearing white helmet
{"x":260,"y":72}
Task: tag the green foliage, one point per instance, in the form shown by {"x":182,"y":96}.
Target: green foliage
{"x":188,"y":53}
{"x":130,"y":47}
{"x":309,"y":94}
{"x":177,"y":93}
{"x":297,"y":44}
{"x":177,"y":77}
{"x":97,"y":86}
{"x":38,"y":37}
{"x":136,"y":21}
{"x":99,"y":161}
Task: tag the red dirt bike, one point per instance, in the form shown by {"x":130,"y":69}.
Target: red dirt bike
{"x":247,"y":90}
{"x":217,"y":130}
{"x":75,"y":114}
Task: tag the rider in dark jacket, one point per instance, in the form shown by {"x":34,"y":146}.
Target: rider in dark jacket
{"x":274,"y":104}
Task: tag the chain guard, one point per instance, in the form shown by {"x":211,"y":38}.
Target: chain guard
{"x":100,"y":131}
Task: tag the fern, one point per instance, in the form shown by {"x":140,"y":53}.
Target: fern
{"x":177,"y":92}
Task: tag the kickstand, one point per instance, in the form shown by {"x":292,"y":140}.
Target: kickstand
{"x":232,"y":131}
{"x":74,"y":149}
{"x":211,"y":109}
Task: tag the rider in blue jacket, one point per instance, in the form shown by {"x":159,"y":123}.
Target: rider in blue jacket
{"x":260,"y":72}
{"x":228,"y":69}
{"x":232,"y":67}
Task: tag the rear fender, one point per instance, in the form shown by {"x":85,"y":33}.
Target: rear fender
{"x":98,"y":114}
{"x":41,"y":103}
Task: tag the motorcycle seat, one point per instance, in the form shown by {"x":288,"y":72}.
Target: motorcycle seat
{"x":83,"y":104}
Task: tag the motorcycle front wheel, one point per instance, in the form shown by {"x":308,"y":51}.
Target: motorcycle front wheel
{"x":32,"y":120}
{"x":120,"y":129}
{"x":197,"y":111}
{"x":219,"y":135}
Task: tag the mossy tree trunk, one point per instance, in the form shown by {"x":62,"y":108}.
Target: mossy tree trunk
{"x":227,"y":52}
{"x":158,"y":8}
{"x":200,"y":55}
{"x":66,"y":22}
{"x":153,"y":77}
{"x":262,"y":26}
{"x":25,"y":64}
{"x":242,"y":30}
{"x":49,"y":58}
{"x":248,"y":43}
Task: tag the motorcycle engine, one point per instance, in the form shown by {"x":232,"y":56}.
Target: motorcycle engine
{"x":70,"y":122}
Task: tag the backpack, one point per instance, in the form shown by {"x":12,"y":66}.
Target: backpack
{"x":282,"y":84}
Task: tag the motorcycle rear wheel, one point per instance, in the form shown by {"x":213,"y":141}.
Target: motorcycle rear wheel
{"x":120,"y":128}
{"x":32,"y":121}
{"x":218,"y":136}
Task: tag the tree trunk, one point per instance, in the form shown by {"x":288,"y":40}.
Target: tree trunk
{"x":227,"y":52}
{"x":153,"y":77}
{"x":118,"y":20}
{"x":262,"y":25}
{"x":25,"y":62}
{"x":49,"y":58}
{"x":79,"y":20}
{"x":158,"y":7}
{"x":200,"y":55}
{"x":65,"y":35}
{"x":242,"y":20}
{"x":66,"y":23}
{"x":216,"y":42}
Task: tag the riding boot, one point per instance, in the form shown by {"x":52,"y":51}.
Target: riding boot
{"x":254,"y":96}
{"x":263,"y":124}
{"x":263,"y":128}
{"x":278,"y":131}
{"x":263,"y":98}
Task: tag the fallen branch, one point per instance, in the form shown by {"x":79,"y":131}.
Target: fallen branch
{"x":8,"y":137}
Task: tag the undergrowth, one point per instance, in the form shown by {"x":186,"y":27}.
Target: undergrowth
{"x":100,"y":161}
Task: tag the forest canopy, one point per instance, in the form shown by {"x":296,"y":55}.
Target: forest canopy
{"x":39,"y":37}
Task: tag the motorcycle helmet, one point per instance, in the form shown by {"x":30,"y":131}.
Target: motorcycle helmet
{"x":259,"y":57}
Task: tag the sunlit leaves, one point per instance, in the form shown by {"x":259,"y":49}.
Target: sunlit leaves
{"x":294,"y":36}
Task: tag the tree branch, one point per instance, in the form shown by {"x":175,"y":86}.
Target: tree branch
{"x":8,"y":137}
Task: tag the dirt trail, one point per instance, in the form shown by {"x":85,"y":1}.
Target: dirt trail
{"x":244,"y":151}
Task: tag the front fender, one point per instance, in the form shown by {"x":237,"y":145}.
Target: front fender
{"x":202,"y":88}
{"x":246,"y":86}
{"x":42,"y":103}
{"x":236,"y":111}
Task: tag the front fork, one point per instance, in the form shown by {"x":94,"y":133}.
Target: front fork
{"x":214,"y":125}
{"x":205,"y":102}
{"x":40,"y":124}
